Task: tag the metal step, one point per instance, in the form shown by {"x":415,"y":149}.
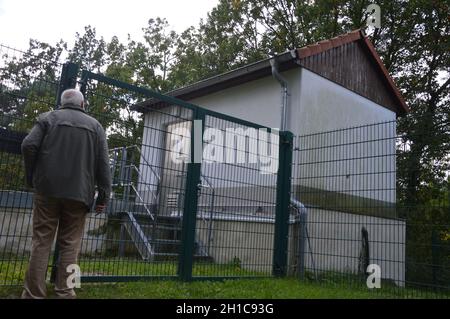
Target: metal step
{"x":165,"y":244}
{"x":118,"y":206}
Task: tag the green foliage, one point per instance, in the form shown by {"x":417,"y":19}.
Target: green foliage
{"x":12,"y":174}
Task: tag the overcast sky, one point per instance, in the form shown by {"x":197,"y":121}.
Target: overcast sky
{"x":52,"y":20}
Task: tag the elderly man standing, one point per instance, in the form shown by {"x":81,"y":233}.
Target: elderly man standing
{"x":66,"y":156}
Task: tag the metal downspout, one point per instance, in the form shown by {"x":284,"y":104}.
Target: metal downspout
{"x":302,"y":219}
{"x":285,"y":93}
{"x":301,"y":209}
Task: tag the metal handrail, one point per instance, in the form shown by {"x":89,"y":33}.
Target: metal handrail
{"x":158,"y":177}
{"x":206,"y":184}
{"x":131,"y":184}
{"x":149,"y":212}
{"x":140,"y":156}
{"x":155,"y":196}
{"x":136,"y":192}
{"x":146,"y":162}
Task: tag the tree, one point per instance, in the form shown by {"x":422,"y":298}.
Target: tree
{"x":88,"y":51}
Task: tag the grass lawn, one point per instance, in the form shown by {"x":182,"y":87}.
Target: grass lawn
{"x":12,"y":271}
{"x":288,"y":288}
{"x":260,"y":287}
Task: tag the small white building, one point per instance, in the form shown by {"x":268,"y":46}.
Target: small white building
{"x":335,"y":84}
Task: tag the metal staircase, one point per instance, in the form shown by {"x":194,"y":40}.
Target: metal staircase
{"x":155,"y":237}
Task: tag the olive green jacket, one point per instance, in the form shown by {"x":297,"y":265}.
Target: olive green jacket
{"x":66,"y":155}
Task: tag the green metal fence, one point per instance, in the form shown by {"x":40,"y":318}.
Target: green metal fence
{"x":352,"y":183}
{"x":202,"y":195}
{"x":28,"y":87}
{"x":184,"y":205}
{"x":177,"y":209}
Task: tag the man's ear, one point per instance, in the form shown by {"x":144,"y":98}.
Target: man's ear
{"x":82,"y":105}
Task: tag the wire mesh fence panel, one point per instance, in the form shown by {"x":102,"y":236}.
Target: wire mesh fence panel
{"x":139,"y":236}
{"x":199,"y":194}
{"x":350,"y":182}
{"x":199,"y":210}
{"x":236,"y":207}
{"x":145,"y":231}
{"x":15,"y":206}
{"x":28,"y":83}
{"x":28,"y":87}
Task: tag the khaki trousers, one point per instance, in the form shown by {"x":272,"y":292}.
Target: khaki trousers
{"x":50,"y":214}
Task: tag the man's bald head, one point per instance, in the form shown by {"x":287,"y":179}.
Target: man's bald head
{"x":72,"y":96}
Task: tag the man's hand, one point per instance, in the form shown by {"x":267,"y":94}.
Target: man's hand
{"x":99,"y":209}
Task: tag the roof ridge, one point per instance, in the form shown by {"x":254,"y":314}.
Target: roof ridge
{"x":328,"y":44}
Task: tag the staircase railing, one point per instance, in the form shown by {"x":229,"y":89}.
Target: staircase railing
{"x":139,"y":238}
{"x":129,"y":183}
{"x":133,"y":227}
{"x":141,"y":157}
{"x":125,"y":180}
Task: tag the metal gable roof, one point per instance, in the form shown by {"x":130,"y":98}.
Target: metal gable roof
{"x":287,"y":60}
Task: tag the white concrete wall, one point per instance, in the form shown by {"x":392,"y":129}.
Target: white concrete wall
{"x":257,"y":101}
{"x":359,"y":161}
{"x":16,"y":233}
{"x":324,"y":105}
{"x":365,"y":168}
{"x":153,"y":144}
{"x":318,"y":105}
{"x":335,"y":239}
{"x":250,"y":242}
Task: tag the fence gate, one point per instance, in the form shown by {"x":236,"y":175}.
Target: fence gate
{"x":196,"y":194}
{"x":194,"y":191}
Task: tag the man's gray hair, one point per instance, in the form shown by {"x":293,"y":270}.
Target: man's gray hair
{"x":72,"y":96}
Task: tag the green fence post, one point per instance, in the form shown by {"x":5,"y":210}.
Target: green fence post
{"x":191,"y":199}
{"x":67,"y":80}
{"x":280,"y":253}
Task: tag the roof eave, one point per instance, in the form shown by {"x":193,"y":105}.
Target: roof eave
{"x":390,"y":81}
{"x":232,"y":78}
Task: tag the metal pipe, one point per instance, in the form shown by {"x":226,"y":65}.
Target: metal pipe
{"x":285,"y":93}
{"x":302,"y":236}
{"x":210,"y":226}
{"x":211,"y":209}
{"x":298,"y":205}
